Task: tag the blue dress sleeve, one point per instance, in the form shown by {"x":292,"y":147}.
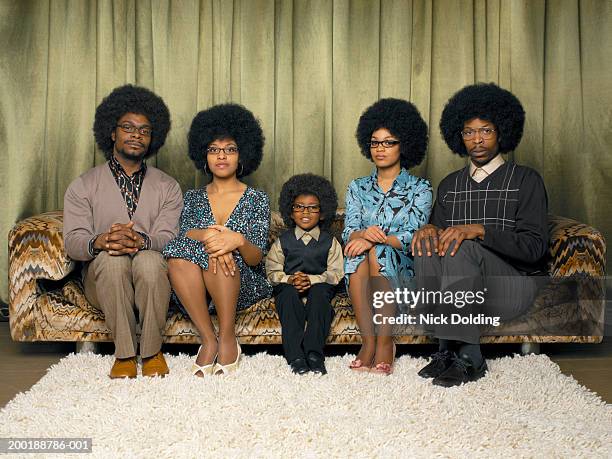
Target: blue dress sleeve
{"x":353,"y":212}
{"x":417,"y":212}
{"x":259,"y":224}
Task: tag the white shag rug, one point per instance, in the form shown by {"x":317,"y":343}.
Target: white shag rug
{"x":524,"y":407}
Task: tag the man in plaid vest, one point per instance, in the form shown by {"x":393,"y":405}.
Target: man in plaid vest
{"x":487,"y":234}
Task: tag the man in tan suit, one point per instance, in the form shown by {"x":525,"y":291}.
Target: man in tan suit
{"x":117,"y":218}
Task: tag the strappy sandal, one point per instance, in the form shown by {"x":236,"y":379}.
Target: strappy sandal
{"x":230,"y":367}
{"x":204,"y":369}
{"x":357,"y":365}
{"x":384,"y":368}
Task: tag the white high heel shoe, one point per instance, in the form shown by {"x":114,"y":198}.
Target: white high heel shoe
{"x":204,"y":369}
{"x":230,"y":367}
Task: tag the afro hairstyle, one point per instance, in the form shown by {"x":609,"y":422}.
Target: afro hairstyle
{"x":227,"y":121}
{"x":131,"y":99}
{"x":308,"y":184}
{"x":403,"y":120}
{"x":488,"y":102}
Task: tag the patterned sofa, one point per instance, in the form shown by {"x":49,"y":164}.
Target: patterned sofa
{"x":47,"y":301}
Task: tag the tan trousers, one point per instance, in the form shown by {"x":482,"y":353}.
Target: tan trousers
{"x":115,"y":284}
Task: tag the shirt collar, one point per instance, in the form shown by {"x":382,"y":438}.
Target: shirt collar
{"x":490,"y":167}
{"x":402,"y":179}
{"x":314,"y":233}
{"x":118,"y":168}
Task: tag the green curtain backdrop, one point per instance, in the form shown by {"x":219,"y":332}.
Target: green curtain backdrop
{"x":307,"y":69}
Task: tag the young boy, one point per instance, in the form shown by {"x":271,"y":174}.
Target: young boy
{"x":305,"y":262}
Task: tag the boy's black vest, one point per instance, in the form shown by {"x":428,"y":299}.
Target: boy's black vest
{"x":309,"y":259}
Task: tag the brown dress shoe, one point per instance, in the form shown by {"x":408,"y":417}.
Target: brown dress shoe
{"x":155,"y":366}
{"x":124,"y":368}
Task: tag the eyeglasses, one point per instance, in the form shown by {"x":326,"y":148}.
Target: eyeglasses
{"x":485,"y":133}
{"x":227,"y":150}
{"x":385,"y":143}
{"x":130,"y":129}
{"x":315,"y":208}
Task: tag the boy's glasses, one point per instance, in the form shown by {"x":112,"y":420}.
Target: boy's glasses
{"x":315,"y":208}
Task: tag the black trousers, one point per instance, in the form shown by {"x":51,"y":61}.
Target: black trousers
{"x":473,"y":268}
{"x":316,"y":315}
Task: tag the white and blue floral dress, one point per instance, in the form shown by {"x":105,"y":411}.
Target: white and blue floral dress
{"x":398,"y":212}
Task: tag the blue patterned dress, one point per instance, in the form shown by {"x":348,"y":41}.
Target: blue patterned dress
{"x":250,"y":217}
{"x":398,"y":212}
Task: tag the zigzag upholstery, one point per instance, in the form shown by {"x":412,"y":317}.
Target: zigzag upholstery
{"x":46,"y":300}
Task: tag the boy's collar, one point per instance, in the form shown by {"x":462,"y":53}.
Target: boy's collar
{"x":314,"y":233}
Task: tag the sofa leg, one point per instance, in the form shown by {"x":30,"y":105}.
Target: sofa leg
{"x":530,"y":348}
{"x":86,"y":346}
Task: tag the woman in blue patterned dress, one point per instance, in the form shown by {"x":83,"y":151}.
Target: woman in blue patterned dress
{"x":383,"y":210}
{"x":223,"y":233}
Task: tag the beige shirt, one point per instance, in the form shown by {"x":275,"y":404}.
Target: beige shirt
{"x":93,"y":203}
{"x":275,"y":260}
{"x":481,"y":173}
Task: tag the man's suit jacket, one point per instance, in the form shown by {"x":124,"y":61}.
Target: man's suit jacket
{"x":93,"y":202}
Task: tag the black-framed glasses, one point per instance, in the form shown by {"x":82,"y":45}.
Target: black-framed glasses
{"x":385,"y":143}
{"x":130,"y":129}
{"x":485,"y":133}
{"x":314,"y":208}
{"x":227,"y":150}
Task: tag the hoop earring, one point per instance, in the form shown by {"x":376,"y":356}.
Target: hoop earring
{"x":205,"y":168}
{"x":241,"y":170}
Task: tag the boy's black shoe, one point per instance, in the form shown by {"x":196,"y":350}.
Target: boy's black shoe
{"x":461,"y":371}
{"x":440,"y":362}
{"x":299,"y":366}
{"x":316,"y":362}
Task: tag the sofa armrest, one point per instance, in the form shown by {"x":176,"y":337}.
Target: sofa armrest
{"x":36,"y":251}
{"x":575,"y":248}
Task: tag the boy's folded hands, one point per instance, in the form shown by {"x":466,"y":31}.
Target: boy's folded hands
{"x":300,"y":281}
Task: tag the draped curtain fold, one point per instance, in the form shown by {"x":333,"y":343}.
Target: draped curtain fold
{"x":307,"y":69}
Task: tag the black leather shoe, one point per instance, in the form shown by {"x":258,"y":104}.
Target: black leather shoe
{"x":299,"y":366}
{"x":316,"y":362}
{"x":440,"y":362}
{"x":460,"y":372}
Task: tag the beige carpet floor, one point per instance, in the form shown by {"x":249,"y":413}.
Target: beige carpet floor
{"x":525,"y":407}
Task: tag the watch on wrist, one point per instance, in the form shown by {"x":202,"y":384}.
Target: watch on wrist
{"x":91,"y":249}
{"x":144,"y":245}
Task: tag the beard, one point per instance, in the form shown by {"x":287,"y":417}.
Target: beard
{"x":131,"y":155}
